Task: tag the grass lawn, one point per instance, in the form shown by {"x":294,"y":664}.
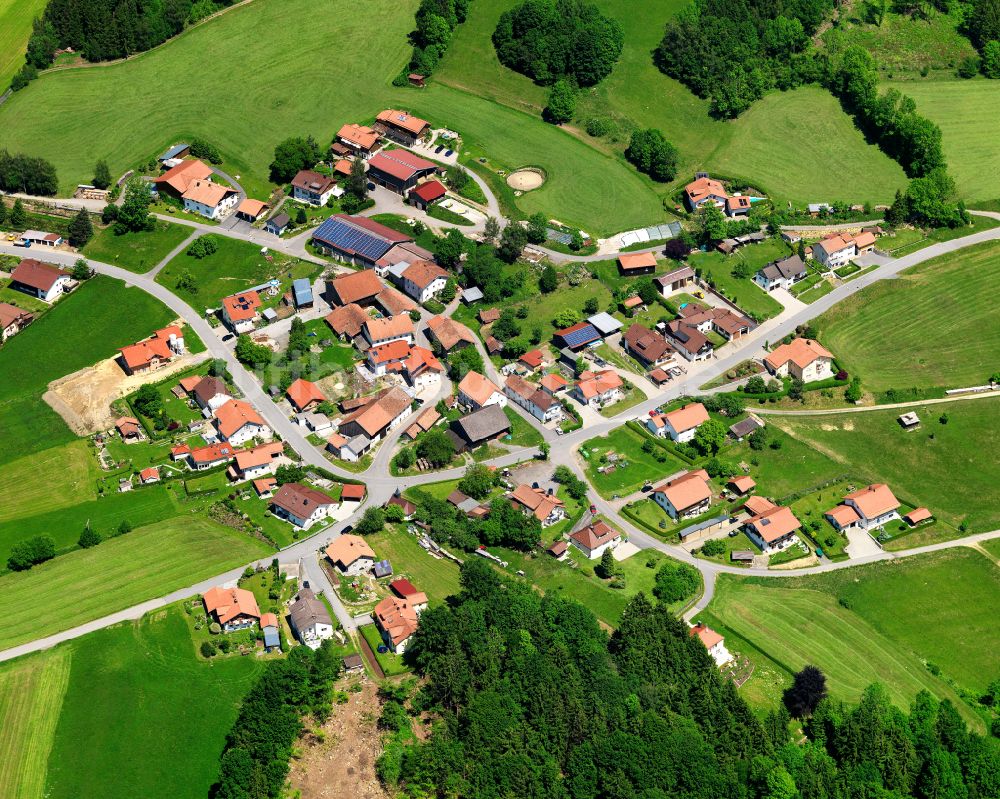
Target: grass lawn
{"x":993,"y":547}
{"x":137,"y":252}
{"x":80,"y":330}
{"x":541,"y":308}
{"x":797,"y":621}
{"x":438,"y":578}
{"x":31,"y":696}
{"x":143,"y":711}
{"x":390,"y":663}
{"x":740,"y":541}
{"x":641,"y":468}
{"x":22,"y":300}
{"x":947,"y":473}
{"x":522,"y":432}
{"x":632,"y":397}
{"x":960,"y":108}
{"x":15,"y":27}
{"x":234,"y":266}
{"x":964,"y":347}
{"x":794,"y":467}
{"x":149,"y":561}
{"x":718,"y":268}
{"x":56,"y":478}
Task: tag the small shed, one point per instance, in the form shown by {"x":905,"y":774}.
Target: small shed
{"x":558,"y":549}
{"x":741,"y":556}
{"x":472,"y":294}
{"x":352,"y":492}
{"x":605,"y":324}
{"x":419,"y":81}
{"x":917,"y":515}
{"x":382,"y":569}
{"x":302,"y":292}
{"x":277,"y":224}
{"x":909,"y":421}
{"x":353,"y":664}
{"x":251,"y":210}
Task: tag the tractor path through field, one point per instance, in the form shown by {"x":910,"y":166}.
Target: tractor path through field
{"x":888,"y":407}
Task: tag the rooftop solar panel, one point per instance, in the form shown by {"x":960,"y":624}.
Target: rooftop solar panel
{"x":582,"y":336}
{"x":348,"y":238}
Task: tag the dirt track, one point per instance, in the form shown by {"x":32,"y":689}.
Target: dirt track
{"x":83,"y":399}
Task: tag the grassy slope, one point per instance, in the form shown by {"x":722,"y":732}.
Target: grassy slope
{"x":951,"y":296}
{"x":56,"y":478}
{"x":961,"y":108}
{"x":81,"y":330}
{"x":128,"y":112}
{"x":31,"y":694}
{"x":137,"y":252}
{"x":88,"y":584}
{"x":777,"y":144}
{"x":143,"y":716}
{"x":436,"y":578}
{"x":949,"y":473}
{"x":878,"y":637}
{"x":15,"y":28}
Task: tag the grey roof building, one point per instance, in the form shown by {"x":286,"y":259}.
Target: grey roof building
{"x":605,"y":323}
{"x":306,"y":611}
{"x":476,"y":428}
{"x":302,"y":293}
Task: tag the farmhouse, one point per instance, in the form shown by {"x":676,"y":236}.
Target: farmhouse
{"x":399,"y":170}
{"x":422,"y":368}
{"x":151,"y":474}
{"x":301,"y":505}
{"x":378,"y":417}
{"x":478,"y":428}
{"x":423,"y":280}
{"x":714,"y":643}
{"x":356,"y":239}
{"x":176,"y":180}
{"x":207,"y":457}
{"x":347,"y":320}
{"x":152,"y":353}
{"x":241,"y":311}
{"x":387,"y":358}
{"x":684,"y":496}
{"x":427,"y":193}
{"x":13,"y":320}
{"x":870,"y":507}
{"x":44,"y":281}
{"x":350,"y":554}
{"x":476,"y":392}
{"x":837,"y":250}
{"x":360,"y":139}
{"x":449,"y":334}
{"x":394,"y":303}
{"x":251,"y":464}
{"x":312,"y":187}
{"x":304,"y":395}
{"x":553,"y":383}
{"x":231,"y":608}
{"x":598,"y":388}
{"x":208,"y":199}
{"x":425,"y":422}
{"x":803,"y":359}
{"x":401,"y":127}
{"x":781,"y":274}
{"x":680,"y":425}
{"x":536,"y":401}
{"x":237,"y":422}
{"x":544,"y":506}
{"x":675,"y":280}
{"x":772,"y":527}
{"x":309,"y":619}
{"x":211,"y":393}
{"x":633,"y":265}
{"x":649,"y":348}
{"x":397,"y":620}
{"x":388,"y":329}
{"x":360,"y":288}
{"x":593,"y":539}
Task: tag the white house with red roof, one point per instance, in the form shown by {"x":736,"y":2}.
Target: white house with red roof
{"x":595,"y":538}
{"x":209,"y":199}
{"x":680,"y":425}
{"x":870,"y":507}
{"x":685,"y":495}
{"x":476,"y":391}
{"x":152,"y":353}
{"x":423,"y":280}
{"x":803,"y":359}
{"x":598,"y":388}
{"x":714,"y":643}
{"x":238,"y":422}
{"x":241,"y":311}
{"x":232,"y":608}
{"x":44,"y":281}
{"x":771,"y":527}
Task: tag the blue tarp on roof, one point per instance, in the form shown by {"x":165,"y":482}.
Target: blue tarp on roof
{"x":302,"y":292}
{"x":347,"y":238}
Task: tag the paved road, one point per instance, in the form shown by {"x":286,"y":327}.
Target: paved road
{"x":380,"y":487}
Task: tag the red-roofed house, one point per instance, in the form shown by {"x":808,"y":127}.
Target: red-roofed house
{"x":304,"y":395}
{"x":153,"y":352}
{"x":640,"y":263}
{"x":595,"y":538}
{"x":44,"y":281}
{"x":250,"y":464}
{"x":869,"y":507}
{"x":401,"y":126}
{"x":175,"y":181}
{"x":679,"y":425}
{"x":685,"y":496}
{"x":422,"y":368}
{"x":241,"y":311}
{"x":397,"y":619}
{"x":209,"y":199}
{"x":359,"y":138}
{"x":534,"y":400}
{"x":476,"y":391}
{"x":232,"y":608}
{"x":150,"y":474}
{"x":423,"y":280}
{"x":714,"y":643}
{"x":13,"y":320}
{"x":388,"y":358}
{"x":773,"y":529}
{"x":237,"y":422}
{"x":545,"y":507}
{"x":802,"y":359}
{"x":598,"y":388}
{"x":705,"y":191}
{"x":207,"y":457}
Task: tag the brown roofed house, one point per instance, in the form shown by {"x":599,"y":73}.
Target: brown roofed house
{"x":301,"y":505}
{"x":351,"y":554}
{"x":595,"y":538}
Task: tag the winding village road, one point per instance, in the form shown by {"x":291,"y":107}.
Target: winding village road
{"x":381,"y":485}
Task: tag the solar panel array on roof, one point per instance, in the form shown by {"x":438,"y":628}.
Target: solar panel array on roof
{"x":582,"y":336}
{"x":338,"y":233}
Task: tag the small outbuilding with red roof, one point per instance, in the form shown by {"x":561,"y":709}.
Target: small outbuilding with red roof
{"x":426,"y":193}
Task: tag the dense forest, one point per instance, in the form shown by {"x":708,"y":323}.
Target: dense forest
{"x":534,"y":699}
{"x":552,"y":39}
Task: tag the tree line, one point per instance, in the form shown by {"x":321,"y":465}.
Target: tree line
{"x":436,"y":22}
{"x":534,"y":699}
{"x":27,"y":174}
{"x":103,"y":30}
{"x":254,"y":762}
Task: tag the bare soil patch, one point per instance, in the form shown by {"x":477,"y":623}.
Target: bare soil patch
{"x":344,"y":763}
{"x":83,"y":399}
{"x":526,"y":179}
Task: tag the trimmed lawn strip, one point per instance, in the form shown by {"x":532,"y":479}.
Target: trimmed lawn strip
{"x":137,"y":252}
{"x":642,"y":467}
{"x":390,"y":663}
{"x":55,"y":478}
{"x":522,"y":432}
{"x":147,"y":562}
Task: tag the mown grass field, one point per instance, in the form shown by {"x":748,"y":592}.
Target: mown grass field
{"x":137,"y":252}
{"x":993,"y":548}
{"x":31,"y":696}
{"x":80,"y":330}
{"x":942,"y":332}
{"x":962,"y":109}
{"x":128,"y":113}
{"x":874,"y":633}
{"x":951,"y":473}
{"x":436,"y":578}
{"x":147,"y":562}
{"x":56,"y":478}
{"x":15,"y":27}
{"x":800,"y":621}
{"x":642,"y":467}
{"x":142,"y":715}
{"x":718,"y":268}
{"x":776,"y":145}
